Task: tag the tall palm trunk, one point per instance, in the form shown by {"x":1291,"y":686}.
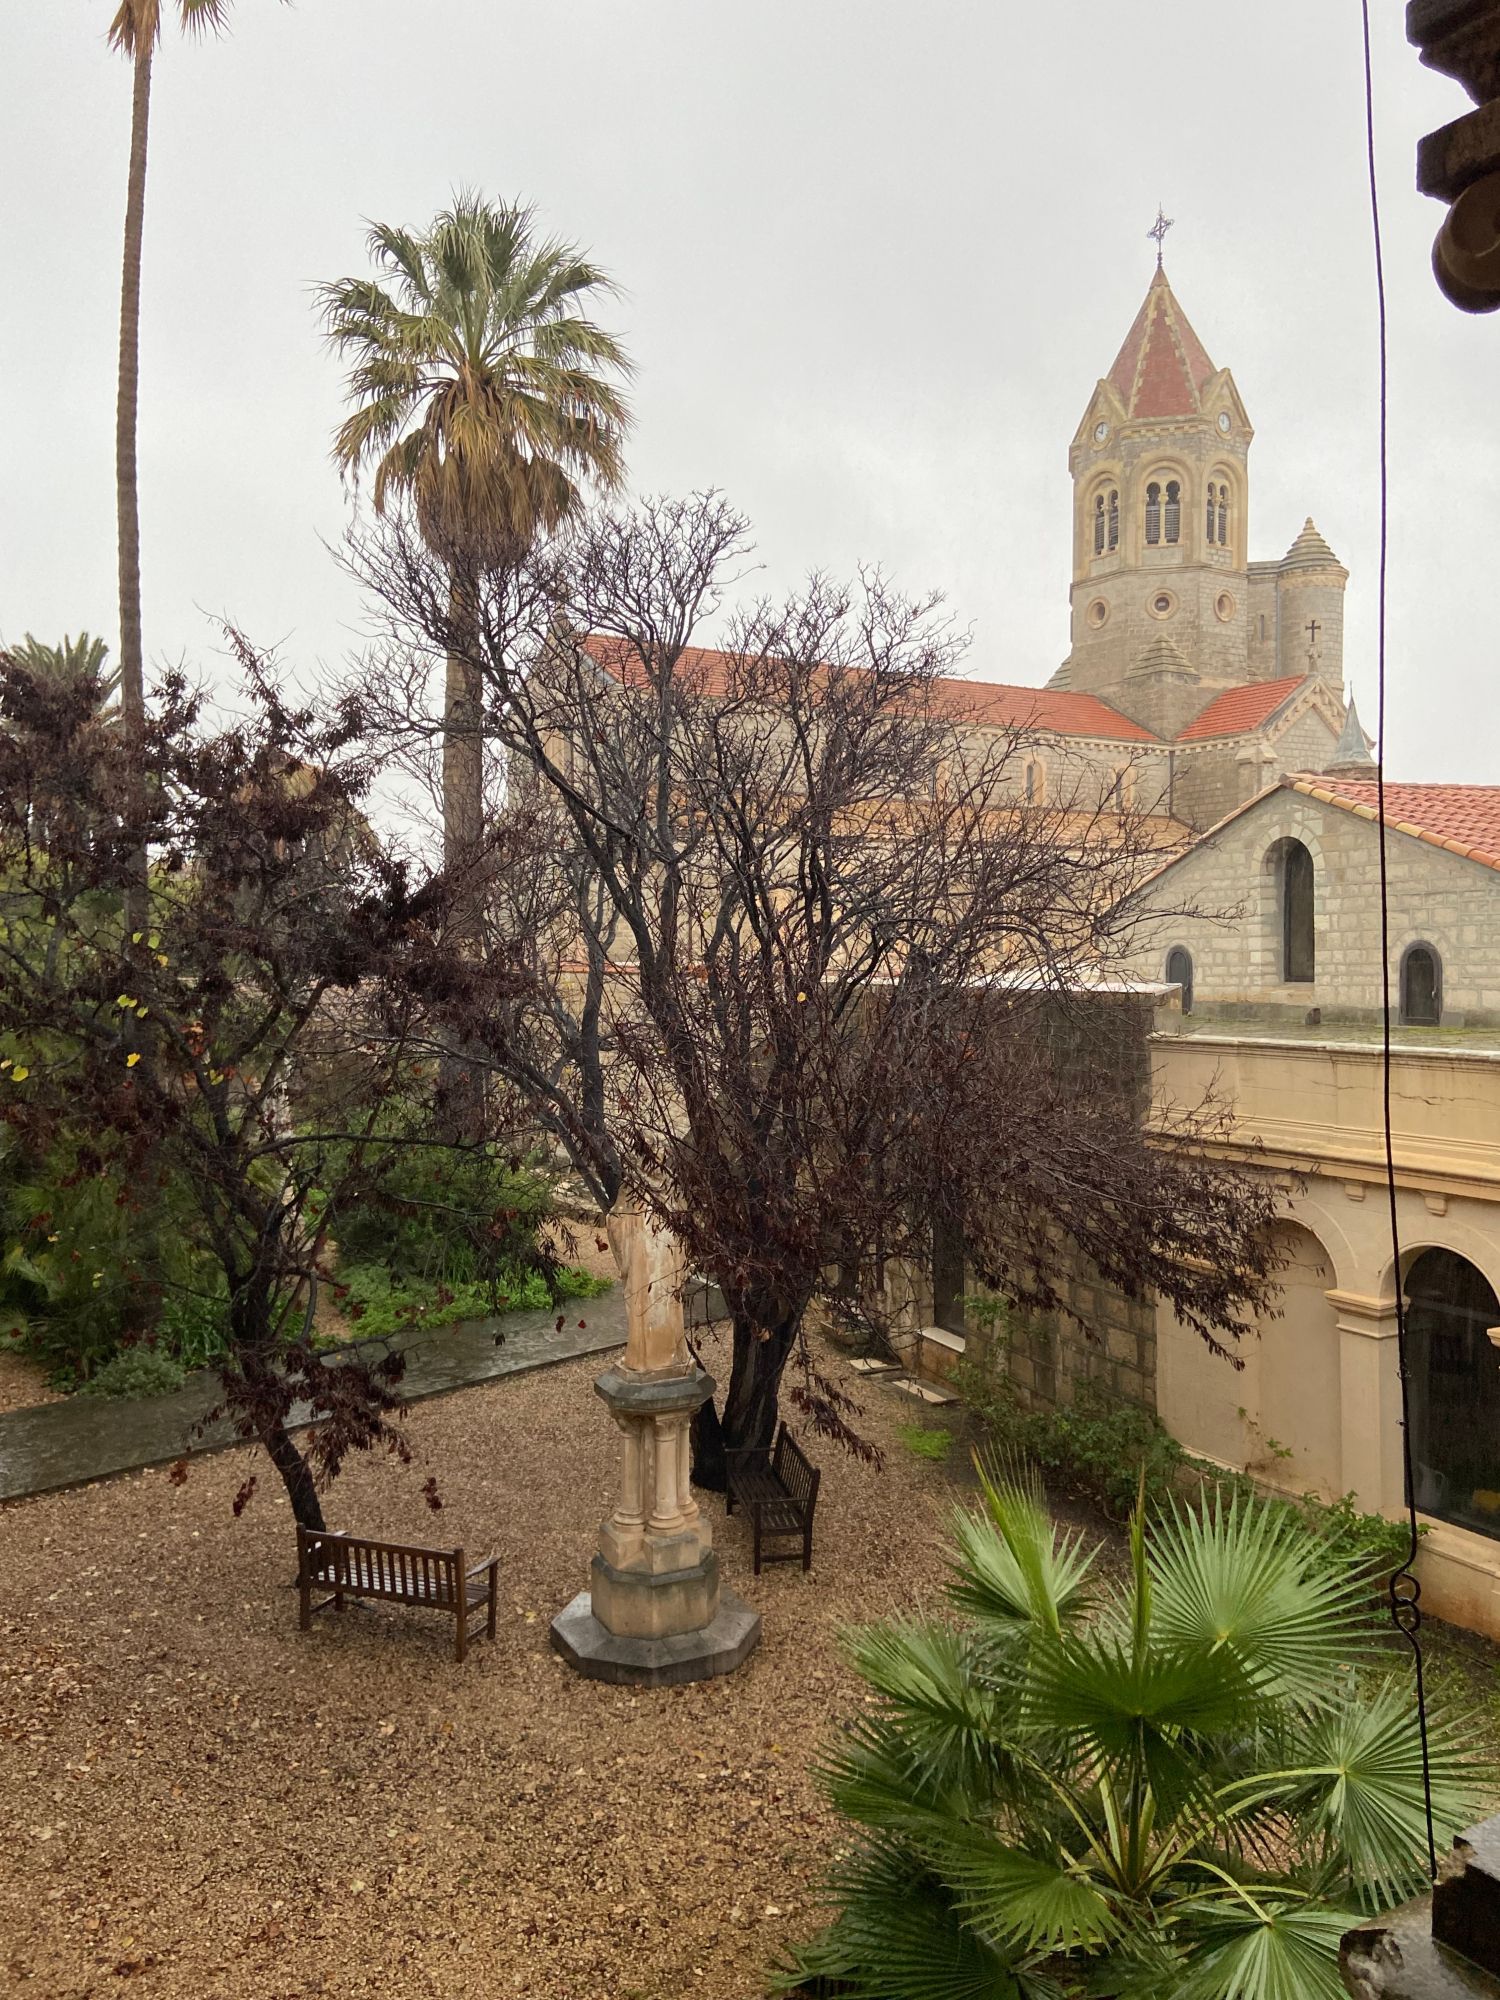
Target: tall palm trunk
{"x":463,"y":745}
{"x":127,"y":502}
{"x":463,"y":829}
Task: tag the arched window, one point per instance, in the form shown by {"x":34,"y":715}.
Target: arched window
{"x":1455,"y":1390}
{"x":1224,"y":516}
{"x":1114,"y":519}
{"x":1263,"y":627}
{"x":1180,"y":973}
{"x":1421,"y":987}
{"x":1099,"y":526}
{"x":1035,"y":782}
{"x":1153,"y":513}
{"x":1297,"y":933}
{"x":1213,"y":493}
{"x":1172,"y":525}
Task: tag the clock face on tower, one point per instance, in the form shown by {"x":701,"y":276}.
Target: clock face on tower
{"x":1101,"y":432}
{"x":1224,"y":421}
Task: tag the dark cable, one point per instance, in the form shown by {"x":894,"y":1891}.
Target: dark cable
{"x":1403,"y":1589}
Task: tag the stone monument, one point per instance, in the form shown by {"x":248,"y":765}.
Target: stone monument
{"x":655,"y":1611}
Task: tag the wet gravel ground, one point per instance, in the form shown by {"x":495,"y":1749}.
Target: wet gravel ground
{"x":199,"y":1801}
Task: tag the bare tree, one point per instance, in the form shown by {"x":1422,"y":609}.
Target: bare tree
{"x":804,"y":972}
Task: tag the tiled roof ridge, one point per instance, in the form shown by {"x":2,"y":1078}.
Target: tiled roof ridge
{"x":1245,"y":706}
{"x":1053,"y":711}
{"x":1341,"y":792}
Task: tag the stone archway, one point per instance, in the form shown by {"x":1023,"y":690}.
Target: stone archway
{"x":1300,"y":1420}
{"x":1279,"y":1414}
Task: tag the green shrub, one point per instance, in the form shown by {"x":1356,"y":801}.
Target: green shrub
{"x":87,"y":1257}
{"x":1100,"y":1447}
{"x":924,"y":1443}
{"x":1097,"y":1446}
{"x":136,"y":1371}
{"x":378,"y":1304}
{"x":443,"y":1217}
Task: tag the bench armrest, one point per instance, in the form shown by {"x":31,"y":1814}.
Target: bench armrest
{"x":477,"y":1569}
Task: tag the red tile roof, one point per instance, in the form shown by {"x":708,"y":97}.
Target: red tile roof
{"x":1163,"y":368}
{"x":987,"y":704}
{"x":1464,"y":819}
{"x":1052,"y":711}
{"x":1242,"y":708}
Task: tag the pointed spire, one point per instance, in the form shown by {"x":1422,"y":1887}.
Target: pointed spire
{"x":1163,"y":367}
{"x":1310,"y":551}
{"x":1351,"y":754}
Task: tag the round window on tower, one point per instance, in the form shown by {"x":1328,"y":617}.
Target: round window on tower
{"x":1223,"y":607}
{"x":1162,"y":604}
{"x":1098,"y":613}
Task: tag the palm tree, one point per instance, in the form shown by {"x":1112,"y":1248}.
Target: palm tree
{"x":1188,"y":1783}
{"x":75,"y":663}
{"x":481,"y":394}
{"x":135,"y":32}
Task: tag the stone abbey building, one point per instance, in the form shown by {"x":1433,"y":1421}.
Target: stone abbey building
{"x":1217,"y":682}
{"x":1196,"y":677}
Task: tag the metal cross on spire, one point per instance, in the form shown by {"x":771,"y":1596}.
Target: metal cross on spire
{"x":1158,"y":230}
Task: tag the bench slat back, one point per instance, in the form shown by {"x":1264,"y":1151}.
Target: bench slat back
{"x":397,"y":1571}
{"x":792,"y":1468}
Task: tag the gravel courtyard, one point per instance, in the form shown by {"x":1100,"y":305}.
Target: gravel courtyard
{"x":201,"y":1803}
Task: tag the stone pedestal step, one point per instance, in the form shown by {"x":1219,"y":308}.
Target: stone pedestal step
{"x":923,"y":1391}
{"x":866,"y":1364}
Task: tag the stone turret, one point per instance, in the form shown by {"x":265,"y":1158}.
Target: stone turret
{"x":1310,"y":582}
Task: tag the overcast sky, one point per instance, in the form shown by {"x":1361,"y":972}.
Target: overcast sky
{"x":874,"y":256}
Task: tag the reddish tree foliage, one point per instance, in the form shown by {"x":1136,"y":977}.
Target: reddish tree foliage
{"x":247,"y":1049}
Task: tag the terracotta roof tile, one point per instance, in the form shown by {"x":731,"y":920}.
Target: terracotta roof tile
{"x":991,"y":704}
{"x":1464,"y":819}
{"x":1163,"y":367}
{"x":1240,"y":709}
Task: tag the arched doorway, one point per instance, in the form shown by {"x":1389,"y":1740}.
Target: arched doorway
{"x":1455,"y":1390}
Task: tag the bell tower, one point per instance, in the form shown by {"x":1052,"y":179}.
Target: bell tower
{"x":1160,"y":611}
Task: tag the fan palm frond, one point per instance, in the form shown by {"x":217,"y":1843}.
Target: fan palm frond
{"x":1248,"y":1579}
{"x":1261,"y":1945}
{"x":1015,"y":1570}
{"x":1361,"y":1791}
{"x":897,"y":1936}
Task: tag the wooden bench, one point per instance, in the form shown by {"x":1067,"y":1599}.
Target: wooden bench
{"x":354,"y":1566}
{"x":780,"y":1487}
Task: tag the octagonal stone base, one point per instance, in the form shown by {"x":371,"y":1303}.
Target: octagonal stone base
{"x":601,"y":1655}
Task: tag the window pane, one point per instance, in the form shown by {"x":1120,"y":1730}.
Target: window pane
{"x":1455,"y":1381}
{"x":1297,"y":914}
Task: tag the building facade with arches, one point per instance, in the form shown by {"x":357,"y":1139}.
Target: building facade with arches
{"x":1268,"y":943}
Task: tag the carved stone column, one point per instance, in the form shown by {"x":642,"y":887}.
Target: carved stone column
{"x":655,"y":1611}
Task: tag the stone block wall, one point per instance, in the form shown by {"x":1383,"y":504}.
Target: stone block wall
{"x":1224,"y":900}
{"x":1111,"y":1343}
